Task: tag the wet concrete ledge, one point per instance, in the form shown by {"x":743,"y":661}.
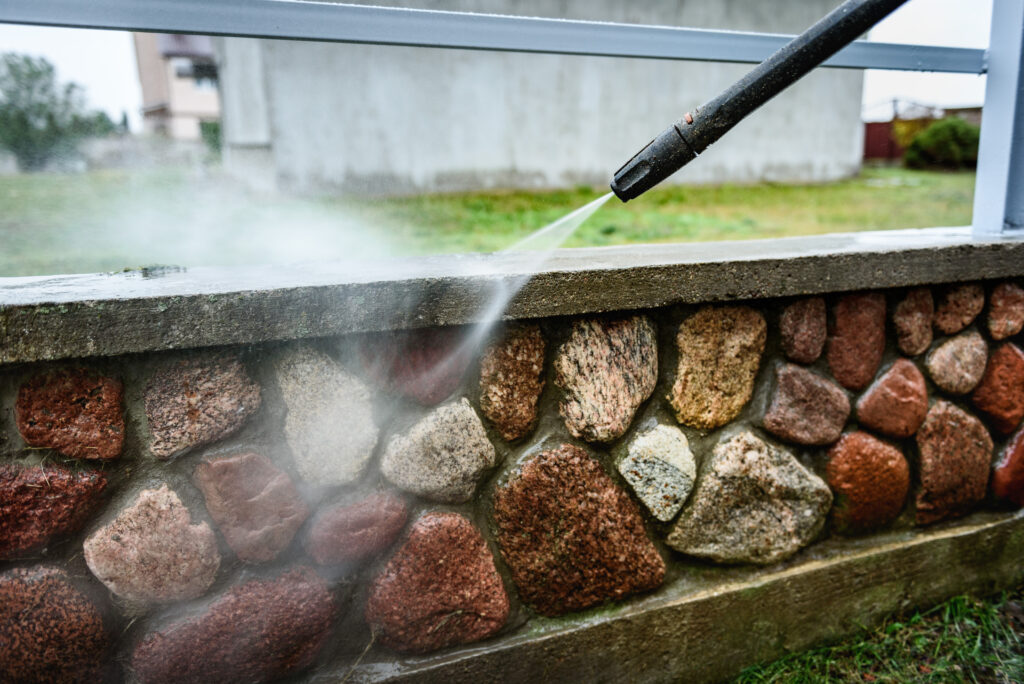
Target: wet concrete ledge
{"x":47,"y":318}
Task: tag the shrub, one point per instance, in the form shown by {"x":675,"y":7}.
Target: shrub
{"x":949,"y":143}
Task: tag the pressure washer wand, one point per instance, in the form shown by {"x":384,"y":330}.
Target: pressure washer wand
{"x":683,"y":141}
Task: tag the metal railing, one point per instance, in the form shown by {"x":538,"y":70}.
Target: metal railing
{"x":999,"y":193}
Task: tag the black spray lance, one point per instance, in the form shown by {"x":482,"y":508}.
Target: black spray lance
{"x":683,"y":141}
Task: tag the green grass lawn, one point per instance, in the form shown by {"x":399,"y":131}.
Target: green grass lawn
{"x":109,"y":220}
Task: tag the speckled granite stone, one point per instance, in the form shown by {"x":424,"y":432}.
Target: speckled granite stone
{"x":958,"y":306}
{"x":912,"y":320}
{"x":805,"y":408}
{"x":957,"y":364}
{"x":869,"y":479}
{"x":607,"y":369}
{"x":955,"y":452}
{"x":75,"y":411}
{"x":350,"y":533}
{"x":660,"y":468}
{"x":511,"y":380}
{"x":254,"y":503}
{"x":440,"y":588}
{"x":329,"y":426}
{"x":442,"y":457}
{"x":1000,"y":394}
{"x":754,"y":503}
{"x":1005,"y":310}
{"x":856,"y":339}
{"x":152,"y":552}
{"x":50,"y":632}
{"x":1008,"y":475}
{"x":259,"y":631}
{"x":38,"y":503}
{"x":194,"y":402}
{"x":570,"y":536}
{"x":895,"y":405}
{"x":803,"y":327}
{"x":719,"y":353}
{"x":423,"y":365}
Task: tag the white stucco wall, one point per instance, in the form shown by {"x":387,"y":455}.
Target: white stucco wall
{"x":367,"y":118}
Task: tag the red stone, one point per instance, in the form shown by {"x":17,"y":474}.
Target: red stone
{"x":913,"y":321}
{"x":38,"y":503}
{"x":955,"y":452}
{"x":857,"y":339}
{"x":1000,"y":394}
{"x":356,"y":532}
{"x":511,"y":380}
{"x":1005,"y":310}
{"x":1008,"y":476}
{"x":424,"y":365}
{"x":76,"y":412}
{"x":896,"y":403}
{"x":440,"y":589}
{"x":958,"y":306}
{"x":870,"y":479}
{"x":254,"y":503}
{"x":259,"y":631}
{"x":806,"y":408}
{"x":803,"y":326}
{"x":570,"y":536}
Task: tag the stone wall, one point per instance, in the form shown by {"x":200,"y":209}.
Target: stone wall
{"x":291,"y":510}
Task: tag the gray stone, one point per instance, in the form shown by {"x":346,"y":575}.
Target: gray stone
{"x":329,"y":426}
{"x":443,"y":456}
{"x":659,"y":467}
{"x":755,"y":503}
{"x":957,"y":364}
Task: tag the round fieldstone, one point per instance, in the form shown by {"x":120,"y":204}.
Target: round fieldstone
{"x":570,"y":537}
{"x":443,"y":456}
{"x":254,"y":503}
{"x":425,"y":365}
{"x":957,"y":364}
{"x":76,"y":412}
{"x":511,"y":380}
{"x":660,"y":468}
{"x":152,"y":552}
{"x":1005,"y":310}
{"x":754,"y":503}
{"x":50,"y":632}
{"x":197,"y":401}
{"x":607,"y":369}
{"x":869,"y":479}
{"x":958,"y":306}
{"x":955,"y":452}
{"x":805,"y":408}
{"x":358,"y":531}
{"x":857,"y":339}
{"x":896,"y":403}
{"x":440,"y":588}
{"x":259,"y":631}
{"x":912,"y":320}
{"x":38,"y":503}
{"x":803,"y":327}
{"x":720,"y":351}
{"x":1008,"y":476}
{"x":1000,"y":394}
{"x":329,"y":426}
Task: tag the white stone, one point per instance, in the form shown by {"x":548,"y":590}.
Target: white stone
{"x":660,"y":468}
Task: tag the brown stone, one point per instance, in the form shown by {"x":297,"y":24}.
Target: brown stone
{"x":196,"y":402}
{"x":38,"y":503}
{"x":1000,"y":394}
{"x":806,"y":408}
{"x":719,"y":353}
{"x":955,"y":452}
{"x":1005,"y":310}
{"x":76,"y":412}
{"x":423,"y":365}
{"x":957,"y":364}
{"x":803,"y":326}
{"x":607,"y":369}
{"x":511,"y":380}
{"x":259,"y":631}
{"x":570,"y":536}
{"x":1008,"y":476}
{"x":254,"y":503}
{"x":912,"y":320}
{"x":857,"y":339}
{"x":896,"y":403}
{"x":50,"y":632}
{"x":870,"y":479}
{"x":958,"y":306}
{"x":355,"y":532}
{"x":440,"y":588}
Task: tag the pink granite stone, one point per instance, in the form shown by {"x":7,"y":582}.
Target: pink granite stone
{"x":358,"y":531}
{"x":857,"y":339}
{"x":955,"y":452}
{"x":958,"y":364}
{"x":870,"y":479}
{"x":1005,"y":310}
{"x":1008,"y":476}
{"x":913,"y":321}
{"x":803,"y":327}
{"x":958,"y":306}
{"x":1000,"y":394}
{"x":896,"y":403}
{"x":805,"y":408}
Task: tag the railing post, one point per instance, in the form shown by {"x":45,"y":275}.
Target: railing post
{"x":999,"y":193}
